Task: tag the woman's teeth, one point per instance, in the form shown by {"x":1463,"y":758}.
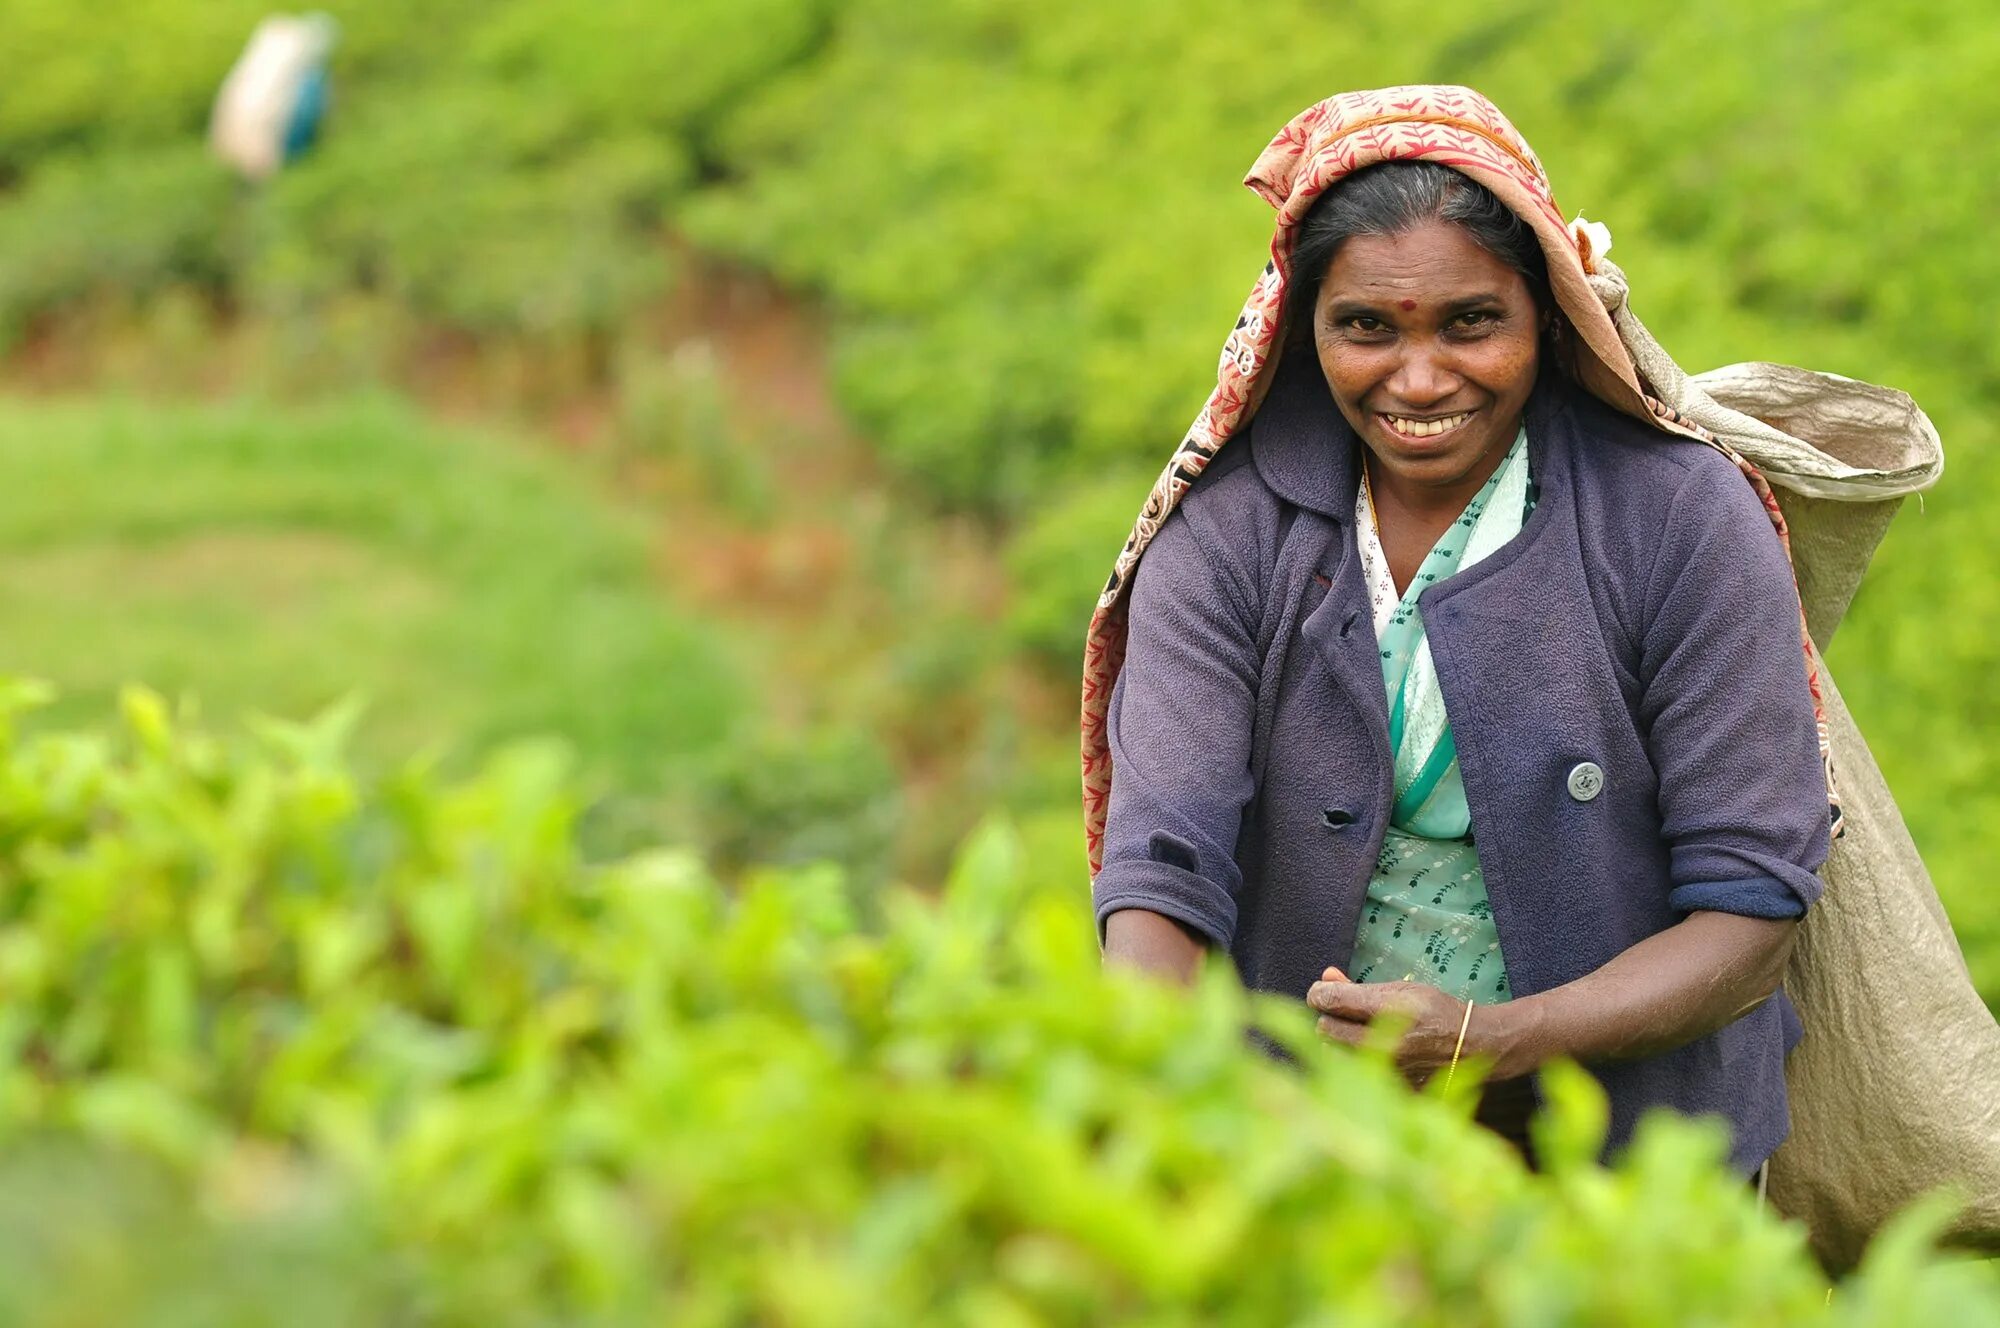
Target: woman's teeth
{"x":1426,"y":428}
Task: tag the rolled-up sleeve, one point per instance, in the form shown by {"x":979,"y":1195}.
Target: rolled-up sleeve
{"x":1180,"y":733}
{"x":1756,"y":897}
{"x":1729,"y":717}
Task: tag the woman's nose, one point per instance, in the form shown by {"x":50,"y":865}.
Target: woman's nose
{"x":1422,"y":379}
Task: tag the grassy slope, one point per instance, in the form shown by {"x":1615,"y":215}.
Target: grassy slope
{"x":473,"y":589}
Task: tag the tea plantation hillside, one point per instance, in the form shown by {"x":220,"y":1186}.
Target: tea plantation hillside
{"x":287,"y":1045}
{"x":1025,"y":221}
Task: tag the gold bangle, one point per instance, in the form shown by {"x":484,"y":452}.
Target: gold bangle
{"x":1463,"y":1024}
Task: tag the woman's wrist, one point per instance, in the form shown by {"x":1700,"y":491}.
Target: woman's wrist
{"x":1669,"y":989}
{"x":1512,"y":1036}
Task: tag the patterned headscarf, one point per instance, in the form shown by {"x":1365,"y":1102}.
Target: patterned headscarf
{"x":1451,"y":126}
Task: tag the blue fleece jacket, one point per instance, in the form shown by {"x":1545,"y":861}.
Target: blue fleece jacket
{"x":1644,"y":622}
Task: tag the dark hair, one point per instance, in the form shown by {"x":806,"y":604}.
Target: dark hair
{"x":1392,"y":197}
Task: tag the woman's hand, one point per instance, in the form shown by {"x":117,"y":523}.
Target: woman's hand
{"x":1346,"y":1009}
{"x":1669,"y":989}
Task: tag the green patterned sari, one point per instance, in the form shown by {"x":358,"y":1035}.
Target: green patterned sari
{"x":1427,"y":917}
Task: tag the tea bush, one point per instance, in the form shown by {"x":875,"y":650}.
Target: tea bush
{"x":284,"y":1024}
{"x":1036,"y":208}
{"x":123,"y":225}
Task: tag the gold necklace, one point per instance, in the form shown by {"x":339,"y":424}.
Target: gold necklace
{"x":1368,"y":496}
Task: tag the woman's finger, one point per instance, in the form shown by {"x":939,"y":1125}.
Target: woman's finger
{"x":1334,"y":998}
{"x":1342,"y":1030}
{"x":1356,"y":1000}
{"x":1366,"y":1000}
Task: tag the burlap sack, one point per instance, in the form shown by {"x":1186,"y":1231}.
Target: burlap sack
{"x":1896,"y":1088}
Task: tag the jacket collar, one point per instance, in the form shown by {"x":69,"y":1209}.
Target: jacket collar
{"x":1308,"y":454}
{"x":1303,"y":447}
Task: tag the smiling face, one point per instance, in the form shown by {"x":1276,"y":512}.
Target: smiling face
{"x":1430,"y":345}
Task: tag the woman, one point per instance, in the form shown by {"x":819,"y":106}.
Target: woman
{"x":1459,"y":686}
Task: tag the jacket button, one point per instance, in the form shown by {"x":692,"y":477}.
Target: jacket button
{"x":1336,"y":818}
{"x":1586,"y":781}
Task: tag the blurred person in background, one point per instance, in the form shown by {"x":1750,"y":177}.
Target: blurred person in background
{"x":269,"y":109}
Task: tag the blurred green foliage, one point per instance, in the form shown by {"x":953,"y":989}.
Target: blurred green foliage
{"x":93,"y":1236}
{"x":135,"y":222}
{"x":492,"y":168}
{"x":280,"y":1044}
{"x":470,"y":588}
{"x":1025,"y":219}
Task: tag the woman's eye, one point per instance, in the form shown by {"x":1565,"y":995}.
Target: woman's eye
{"x":1474,"y":318}
{"x":1363,"y":323}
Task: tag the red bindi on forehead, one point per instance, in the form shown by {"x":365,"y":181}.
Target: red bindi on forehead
{"x":1409,"y":305}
